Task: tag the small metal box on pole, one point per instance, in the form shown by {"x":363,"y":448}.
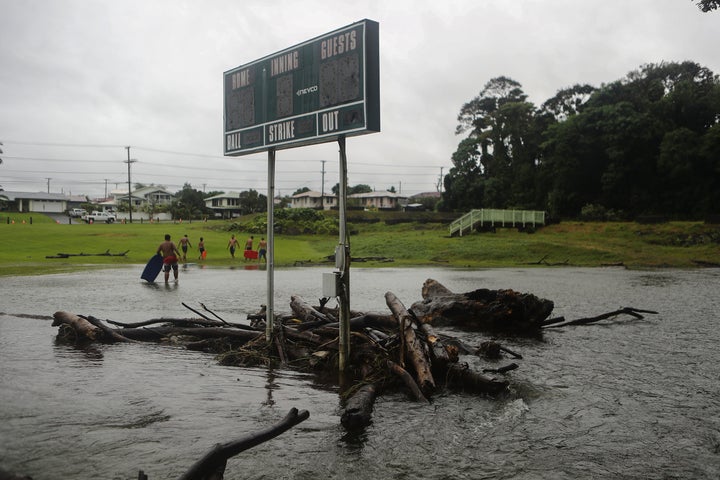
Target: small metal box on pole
{"x":331,"y":284}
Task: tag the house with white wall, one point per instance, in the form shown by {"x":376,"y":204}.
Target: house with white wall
{"x":378,"y":200}
{"x":315,"y":200}
{"x":37,"y":201}
{"x":225,"y":205}
{"x":150,"y":195}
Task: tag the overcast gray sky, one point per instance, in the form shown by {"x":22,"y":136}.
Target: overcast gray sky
{"x":82,"y":79}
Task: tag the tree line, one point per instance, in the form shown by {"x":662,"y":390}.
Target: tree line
{"x":646,"y":144}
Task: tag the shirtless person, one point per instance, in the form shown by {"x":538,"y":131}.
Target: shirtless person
{"x":201,"y":248}
{"x":262,"y":249}
{"x":232,"y":245}
{"x":248,"y":246}
{"x":184,"y":244}
{"x":170,"y":254}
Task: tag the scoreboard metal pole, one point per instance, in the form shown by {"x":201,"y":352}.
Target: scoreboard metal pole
{"x":343,"y":251}
{"x":270,"y":254}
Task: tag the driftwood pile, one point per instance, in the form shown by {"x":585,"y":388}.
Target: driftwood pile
{"x":388,"y":352}
{"x":399,"y":351}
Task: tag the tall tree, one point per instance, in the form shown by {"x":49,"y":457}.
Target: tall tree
{"x":252,"y":202}
{"x":632,"y":146}
{"x":359,"y":188}
{"x":708,"y":5}
{"x":567,"y":102}
{"x":498,"y":158}
{"x":188,"y":203}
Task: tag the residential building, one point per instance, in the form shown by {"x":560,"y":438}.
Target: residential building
{"x":150,"y":195}
{"x":225,"y":205}
{"x":378,"y":200}
{"x":37,"y":201}
{"x":315,"y":200}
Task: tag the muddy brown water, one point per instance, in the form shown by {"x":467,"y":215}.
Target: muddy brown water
{"x":622,"y":399}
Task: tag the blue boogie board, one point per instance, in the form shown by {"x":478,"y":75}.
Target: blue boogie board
{"x":153,"y":268}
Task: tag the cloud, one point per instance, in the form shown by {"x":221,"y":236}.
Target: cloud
{"x":97,"y":76}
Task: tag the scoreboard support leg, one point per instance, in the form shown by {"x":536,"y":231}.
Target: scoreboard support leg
{"x":344,"y":263}
{"x":270,"y":254}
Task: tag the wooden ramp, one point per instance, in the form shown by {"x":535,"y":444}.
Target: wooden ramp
{"x":492,"y":218}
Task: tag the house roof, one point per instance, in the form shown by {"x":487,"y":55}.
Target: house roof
{"x":313,"y":194}
{"x":12,"y":196}
{"x":144,"y":191}
{"x":385,"y":194}
{"x":77,"y":198}
{"x":224,"y":195}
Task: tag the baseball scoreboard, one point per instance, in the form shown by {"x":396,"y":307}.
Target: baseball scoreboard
{"x":311,"y":93}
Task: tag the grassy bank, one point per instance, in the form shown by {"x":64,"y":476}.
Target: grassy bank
{"x":671,"y":245}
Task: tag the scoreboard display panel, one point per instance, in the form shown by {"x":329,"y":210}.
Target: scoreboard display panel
{"x":311,"y":93}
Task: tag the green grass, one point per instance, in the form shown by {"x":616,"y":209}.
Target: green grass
{"x":24,"y":246}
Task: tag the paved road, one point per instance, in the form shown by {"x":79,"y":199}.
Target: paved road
{"x":61,"y":217}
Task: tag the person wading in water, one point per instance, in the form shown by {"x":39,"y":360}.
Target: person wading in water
{"x":170,"y":254}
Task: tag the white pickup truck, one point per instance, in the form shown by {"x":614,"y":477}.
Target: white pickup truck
{"x":96,"y":216}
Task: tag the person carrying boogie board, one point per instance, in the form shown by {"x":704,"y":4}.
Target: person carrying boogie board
{"x":170,"y":254}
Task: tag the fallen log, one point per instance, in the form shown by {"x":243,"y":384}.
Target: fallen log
{"x":492,"y":350}
{"x":414,"y":350}
{"x":109,"y":333}
{"x":633,"y":312}
{"x":184,"y":322}
{"x":439,"y":353}
{"x":706,"y":263}
{"x":361,"y":322}
{"x":80,"y":326}
{"x":358,"y":409}
{"x":158,"y":333}
{"x":205,"y":317}
{"x":304,"y":335}
{"x":307,"y":313}
{"x":180,"y":322}
{"x":408,"y":380}
{"x":514,"y":354}
{"x":482,"y":309}
{"x":213,"y":313}
{"x":106,"y":253}
{"x":504,"y":369}
{"x":462,"y":378}
{"x":212,"y":464}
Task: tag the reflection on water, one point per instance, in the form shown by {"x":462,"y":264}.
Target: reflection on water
{"x":655,"y":280}
{"x":624,"y":398}
{"x":87,"y":353}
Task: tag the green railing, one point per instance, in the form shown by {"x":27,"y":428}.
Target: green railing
{"x":496,"y":218}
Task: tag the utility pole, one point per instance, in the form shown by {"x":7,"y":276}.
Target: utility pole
{"x":48,"y":183}
{"x":439,"y":185}
{"x":128,"y":161}
{"x":106,"y":180}
{"x":322,"y":187}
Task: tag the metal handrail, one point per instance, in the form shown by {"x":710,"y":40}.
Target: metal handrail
{"x":490,"y":216}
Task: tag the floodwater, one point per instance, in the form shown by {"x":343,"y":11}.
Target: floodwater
{"x":620,"y":399}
